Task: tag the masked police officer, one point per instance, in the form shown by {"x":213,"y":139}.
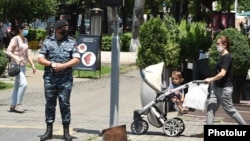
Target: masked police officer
{"x":58,"y":54}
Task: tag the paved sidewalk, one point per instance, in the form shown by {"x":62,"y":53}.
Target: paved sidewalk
{"x":90,"y":104}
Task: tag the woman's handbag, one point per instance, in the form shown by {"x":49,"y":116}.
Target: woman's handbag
{"x":13,"y":69}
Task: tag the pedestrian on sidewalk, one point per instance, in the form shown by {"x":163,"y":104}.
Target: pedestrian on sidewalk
{"x":221,"y":85}
{"x":18,"y":52}
{"x":58,"y":54}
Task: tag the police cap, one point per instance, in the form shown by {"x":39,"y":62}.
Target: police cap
{"x":60,"y":23}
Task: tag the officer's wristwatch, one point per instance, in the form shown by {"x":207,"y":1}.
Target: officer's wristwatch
{"x":53,"y":65}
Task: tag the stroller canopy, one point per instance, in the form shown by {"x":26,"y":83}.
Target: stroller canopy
{"x":152,"y":75}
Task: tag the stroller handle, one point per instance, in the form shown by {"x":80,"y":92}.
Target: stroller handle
{"x":200,"y":81}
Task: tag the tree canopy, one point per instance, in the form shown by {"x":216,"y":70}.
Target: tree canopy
{"x":27,"y":10}
{"x":32,"y":9}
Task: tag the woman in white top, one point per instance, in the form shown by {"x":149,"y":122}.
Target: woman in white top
{"x":18,"y":51}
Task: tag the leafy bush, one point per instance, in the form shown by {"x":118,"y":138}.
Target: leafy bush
{"x":40,"y":34}
{"x":239,"y":50}
{"x":3,"y":61}
{"x":193,"y":38}
{"x":156,"y":46}
{"x":125,"y":41}
{"x":36,"y":34}
{"x":173,"y":42}
{"x":106,"y":43}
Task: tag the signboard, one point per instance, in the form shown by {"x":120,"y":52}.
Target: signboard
{"x":89,"y":48}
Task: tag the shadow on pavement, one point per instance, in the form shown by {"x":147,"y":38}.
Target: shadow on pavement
{"x":243,"y":107}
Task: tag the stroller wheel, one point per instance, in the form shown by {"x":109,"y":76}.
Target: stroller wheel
{"x":182,"y":125}
{"x":172,"y":127}
{"x":139,"y":127}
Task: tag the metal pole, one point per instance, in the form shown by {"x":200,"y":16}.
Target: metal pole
{"x":115,"y":61}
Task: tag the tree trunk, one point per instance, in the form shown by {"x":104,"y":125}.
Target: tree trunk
{"x":137,"y":22}
{"x":238,"y":84}
{"x":110,"y":20}
{"x":198,"y":15}
{"x":135,"y":43}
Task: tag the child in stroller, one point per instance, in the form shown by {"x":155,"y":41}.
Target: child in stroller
{"x":155,"y":100}
{"x":177,"y":97}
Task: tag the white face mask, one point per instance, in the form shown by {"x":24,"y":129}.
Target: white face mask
{"x":219,"y":48}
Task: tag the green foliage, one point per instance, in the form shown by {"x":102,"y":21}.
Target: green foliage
{"x":3,"y":61}
{"x":172,"y":27}
{"x":105,"y":71}
{"x":38,"y":66}
{"x":4,"y":86}
{"x":40,"y":34}
{"x":28,"y":9}
{"x":193,"y":38}
{"x":239,"y":50}
{"x":244,"y":5}
{"x":106,"y":43}
{"x":173,"y":46}
{"x":36,"y":34}
{"x":125,"y":41}
{"x":156,"y":46}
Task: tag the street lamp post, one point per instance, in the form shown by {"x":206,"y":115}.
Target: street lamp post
{"x":96,"y":16}
{"x":114,"y":106}
{"x":115,"y":61}
{"x":96,"y":21}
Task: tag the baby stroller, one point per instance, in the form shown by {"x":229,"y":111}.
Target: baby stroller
{"x":155,"y":103}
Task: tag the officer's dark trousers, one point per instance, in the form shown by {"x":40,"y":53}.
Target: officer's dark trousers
{"x":58,"y":86}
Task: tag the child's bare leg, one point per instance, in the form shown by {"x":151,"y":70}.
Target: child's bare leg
{"x":178,"y":103}
{"x":182,"y":109}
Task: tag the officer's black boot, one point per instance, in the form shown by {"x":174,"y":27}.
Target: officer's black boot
{"x":66,"y":135}
{"x":48,"y":134}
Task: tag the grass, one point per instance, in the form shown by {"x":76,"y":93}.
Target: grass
{"x":38,"y":66}
{"x":4,"y":86}
{"x":104,"y":71}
